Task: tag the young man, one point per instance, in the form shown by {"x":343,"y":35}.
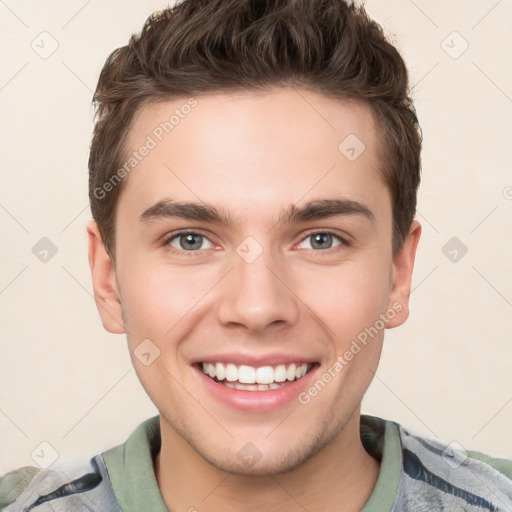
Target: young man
{"x":253,"y":179}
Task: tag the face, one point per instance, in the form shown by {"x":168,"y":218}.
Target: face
{"x":253,"y":243}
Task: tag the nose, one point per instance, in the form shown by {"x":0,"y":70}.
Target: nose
{"x":257,"y":295}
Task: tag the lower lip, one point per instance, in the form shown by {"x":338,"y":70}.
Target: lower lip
{"x":256,"y":401}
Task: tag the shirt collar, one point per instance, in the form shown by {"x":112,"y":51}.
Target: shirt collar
{"x":130,"y":465}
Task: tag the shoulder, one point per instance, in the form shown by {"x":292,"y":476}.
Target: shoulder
{"x":13,"y":483}
{"x":443,"y":475}
{"x":504,"y":466}
{"x":69,"y":486}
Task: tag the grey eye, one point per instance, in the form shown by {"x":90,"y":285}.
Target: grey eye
{"x":321,"y":241}
{"x":188,"y":241}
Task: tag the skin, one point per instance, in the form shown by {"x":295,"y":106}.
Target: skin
{"x":252,"y":155}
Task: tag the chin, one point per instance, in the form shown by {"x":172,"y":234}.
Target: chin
{"x":250,"y":460}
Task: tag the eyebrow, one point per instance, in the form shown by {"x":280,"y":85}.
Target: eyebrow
{"x":313,"y":210}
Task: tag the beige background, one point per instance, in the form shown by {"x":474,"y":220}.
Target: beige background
{"x":445,"y":374}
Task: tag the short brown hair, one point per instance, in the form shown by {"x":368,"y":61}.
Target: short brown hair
{"x":205,"y":46}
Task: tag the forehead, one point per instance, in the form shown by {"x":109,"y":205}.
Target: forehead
{"x":252,"y":151}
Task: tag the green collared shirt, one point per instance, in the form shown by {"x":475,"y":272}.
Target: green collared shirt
{"x":414,"y":471}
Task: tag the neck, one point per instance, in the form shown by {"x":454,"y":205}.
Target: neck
{"x":339,"y":477}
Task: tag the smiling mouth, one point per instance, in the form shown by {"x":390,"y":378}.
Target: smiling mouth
{"x":249,"y":378}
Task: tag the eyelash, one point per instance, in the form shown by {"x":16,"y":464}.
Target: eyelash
{"x":168,"y":240}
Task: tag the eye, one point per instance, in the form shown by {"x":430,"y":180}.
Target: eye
{"x":322,"y":240}
{"x":188,"y":241}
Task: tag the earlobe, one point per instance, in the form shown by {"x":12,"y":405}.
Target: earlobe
{"x":403,"y":264}
{"x":106,"y":292}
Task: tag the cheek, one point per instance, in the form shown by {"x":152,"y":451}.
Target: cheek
{"x":347,"y":299}
{"x":156,"y":297}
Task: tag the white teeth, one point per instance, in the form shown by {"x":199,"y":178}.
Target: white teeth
{"x":246,"y":374}
{"x":265,"y":375}
{"x":247,"y":387}
{"x":231,"y":372}
{"x":280,"y":373}
{"x":262,"y":378}
{"x":290,"y":372}
{"x":220,"y":372}
{"x":253,"y":387}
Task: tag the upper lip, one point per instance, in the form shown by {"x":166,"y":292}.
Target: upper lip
{"x":255,"y":360}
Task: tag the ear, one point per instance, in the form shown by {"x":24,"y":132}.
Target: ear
{"x":403,"y":264}
{"x":106,"y":292}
